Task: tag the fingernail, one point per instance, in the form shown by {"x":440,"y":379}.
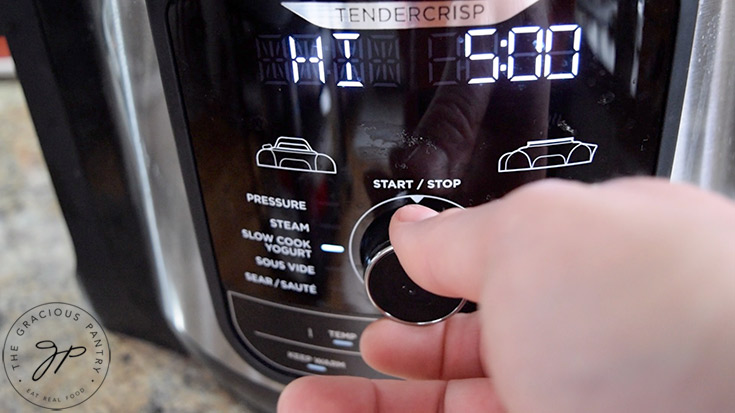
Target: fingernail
{"x":414,"y":213}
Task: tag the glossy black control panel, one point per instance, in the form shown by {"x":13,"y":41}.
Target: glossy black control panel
{"x":305,"y":137}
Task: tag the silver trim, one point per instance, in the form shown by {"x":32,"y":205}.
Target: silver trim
{"x":153,"y":167}
{"x":300,"y":310}
{"x":705,"y":151}
{"x":269,"y":360}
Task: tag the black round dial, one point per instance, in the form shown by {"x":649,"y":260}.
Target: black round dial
{"x":388,"y":286}
{"x":392,"y":291}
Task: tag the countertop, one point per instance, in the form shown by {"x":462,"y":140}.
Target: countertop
{"x":37,"y":265}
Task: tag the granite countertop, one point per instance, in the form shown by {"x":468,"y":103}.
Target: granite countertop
{"x":37,"y":265}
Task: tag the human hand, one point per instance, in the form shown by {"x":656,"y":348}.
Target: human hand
{"x":592,"y":298}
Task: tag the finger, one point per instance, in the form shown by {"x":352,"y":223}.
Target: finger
{"x":446,"y":351}
{"x":444,"y":253}
{"x":453,"y":253}
{"x":646,"y":188}
{"x":321,"y":394}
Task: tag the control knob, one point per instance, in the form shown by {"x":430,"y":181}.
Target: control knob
{"x":388,"y":286}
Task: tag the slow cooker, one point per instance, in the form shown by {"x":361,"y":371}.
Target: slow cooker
{"x":257,"y":194}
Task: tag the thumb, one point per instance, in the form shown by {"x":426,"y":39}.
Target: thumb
{"x":445,"y":253}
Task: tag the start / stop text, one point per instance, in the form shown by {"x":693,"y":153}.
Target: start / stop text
{"x":407,"y":184}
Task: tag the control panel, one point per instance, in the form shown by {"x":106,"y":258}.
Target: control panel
{"x":310,"y":123}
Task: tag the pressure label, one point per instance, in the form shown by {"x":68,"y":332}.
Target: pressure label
{"x":276,"y":202}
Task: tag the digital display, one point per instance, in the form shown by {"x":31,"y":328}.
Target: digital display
{"x":473,"y":56}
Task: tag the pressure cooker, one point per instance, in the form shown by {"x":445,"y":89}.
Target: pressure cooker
{"x":248,"y":155}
